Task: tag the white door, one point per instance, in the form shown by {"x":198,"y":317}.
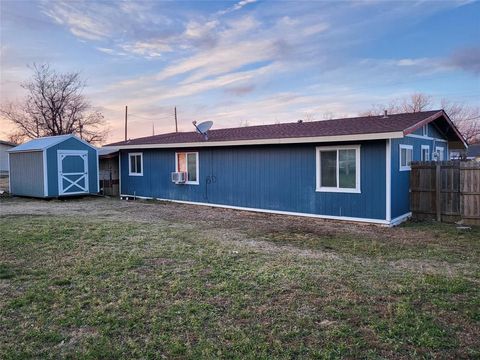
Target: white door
{"x":72,"y":172}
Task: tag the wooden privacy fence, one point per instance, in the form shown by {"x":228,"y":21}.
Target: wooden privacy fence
{"x":446,"y":191}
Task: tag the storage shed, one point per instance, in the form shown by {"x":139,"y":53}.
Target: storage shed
{"x":54,"y":166}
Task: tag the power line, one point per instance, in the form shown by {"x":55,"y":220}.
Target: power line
{"x":150,"y":118}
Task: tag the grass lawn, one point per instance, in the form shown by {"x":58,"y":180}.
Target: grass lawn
{"x":119,"y":284}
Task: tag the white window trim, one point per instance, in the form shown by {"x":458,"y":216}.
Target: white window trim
{"x":197,"y":166}
{"x":338,"y":189}
{"x":403,"y":146}
{"x":425,"y":130}
{"x":130,"y":164}
{"x":425,"y":147}
{"x":442,"y":150}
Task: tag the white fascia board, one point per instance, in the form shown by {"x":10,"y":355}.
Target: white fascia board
{"x":425,"y":137}
{"x":300,"y":140}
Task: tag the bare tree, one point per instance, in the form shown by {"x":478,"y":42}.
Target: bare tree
{"x":54,"y":105}
{"x":309,"y":116}
{"x":15,"y":138}
{"x":466,"y":118}
{"x":411,"y":104}
{"x":416,"y":102}
{"x":328,"y":115}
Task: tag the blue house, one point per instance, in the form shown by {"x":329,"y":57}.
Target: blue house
{"x":353,"y":169}
{"x":53,"y":166}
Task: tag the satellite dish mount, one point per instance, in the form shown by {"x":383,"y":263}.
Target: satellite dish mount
{"x":203,"y":127}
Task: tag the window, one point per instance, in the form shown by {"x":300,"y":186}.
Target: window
{"x":425,"y":130}
{"x":135,"y":164}
{"x":440,"y":153}
{"x":188,"y":162}
{"x":406,"y":152}
{"x":338,"y":169}
{"x":425,"y":153}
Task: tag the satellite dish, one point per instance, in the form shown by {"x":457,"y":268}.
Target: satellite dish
{"x":203,"y":127}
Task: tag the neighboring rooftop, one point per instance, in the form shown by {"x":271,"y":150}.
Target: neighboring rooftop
{"x":8,"y":143}
{"x":395,"y":123}
{"x":473,"y":151}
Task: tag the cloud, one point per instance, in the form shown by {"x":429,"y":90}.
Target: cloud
{"x":148,"y":49}
{"x":201,"y":34}
{"x":240,"y":90}
{"x":78,"y":20}
{"x":237,"y":6}
{"x":467,"y":59}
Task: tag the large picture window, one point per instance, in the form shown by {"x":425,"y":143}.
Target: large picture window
{"x":135,"y":164}
{"x":338,"y":169}
{"x":188,"y":162}
{"x":406,"y":155}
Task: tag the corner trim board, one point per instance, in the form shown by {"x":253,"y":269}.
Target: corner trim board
{"x":388,"y":176}
{"x":9,"y":174}
{"x":98,"y":172}
{"x":45,"y":174}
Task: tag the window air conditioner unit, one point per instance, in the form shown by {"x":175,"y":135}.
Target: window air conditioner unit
{"x":179,"y":177}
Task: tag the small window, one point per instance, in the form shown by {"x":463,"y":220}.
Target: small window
{"x":406,"y":152}
{"x":188,"y":162}
{"x":425,"y":130}
{"x":425,"y":153}
{"x":440,"y":153}
{"x":338,"y":169}
{"x":135,"y":164}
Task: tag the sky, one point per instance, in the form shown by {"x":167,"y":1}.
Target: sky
{"x":245,"y":62}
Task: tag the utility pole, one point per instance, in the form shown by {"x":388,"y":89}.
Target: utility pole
{"x":81,"y":130}
{"x":153,"y":128}
{"x":176,"y":124}
{"x":126,"y":115}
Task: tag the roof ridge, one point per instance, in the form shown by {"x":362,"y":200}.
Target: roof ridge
{"x":279,"y":124}
{"x":339,"y":126}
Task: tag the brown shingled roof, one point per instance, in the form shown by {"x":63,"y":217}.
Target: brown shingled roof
{"x":346,"y":126}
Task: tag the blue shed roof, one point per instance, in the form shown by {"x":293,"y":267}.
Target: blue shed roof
{"x":44,"y":143}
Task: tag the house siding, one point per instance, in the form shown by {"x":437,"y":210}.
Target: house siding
{"x":400,"y":203}
{"x":4,"y":157}
{"x":432,"y":132}
{"x":71,"y":144}
{"x":270,"y":177}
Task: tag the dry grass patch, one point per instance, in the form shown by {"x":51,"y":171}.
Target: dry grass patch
{"x":146,"y":280}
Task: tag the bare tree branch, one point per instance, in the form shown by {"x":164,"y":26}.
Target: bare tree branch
{"x":466,"y":118}
{"x":55,"y":105}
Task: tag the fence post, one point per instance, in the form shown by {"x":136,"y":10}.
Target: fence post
{"x":438,"y":185}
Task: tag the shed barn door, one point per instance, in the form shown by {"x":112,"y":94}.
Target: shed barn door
{"x":72,"y":172}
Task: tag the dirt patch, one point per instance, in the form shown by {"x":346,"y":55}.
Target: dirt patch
{"x":269,"y":233}
{"x":210,"y":217}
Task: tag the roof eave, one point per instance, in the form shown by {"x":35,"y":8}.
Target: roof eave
{"x":434,"y":117}
{"x":276,"y":141}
